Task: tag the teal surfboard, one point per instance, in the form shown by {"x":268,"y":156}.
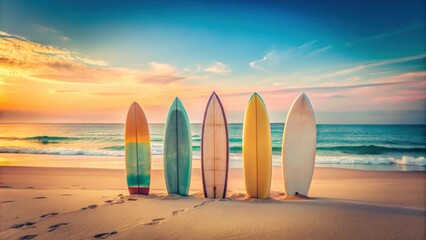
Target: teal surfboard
{"x":177,"y":150}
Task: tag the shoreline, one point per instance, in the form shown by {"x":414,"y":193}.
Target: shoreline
{"x":118,"y":162}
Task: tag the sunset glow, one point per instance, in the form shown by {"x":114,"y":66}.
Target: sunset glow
{"x":209,"y":119}
{"x":53,"y":72}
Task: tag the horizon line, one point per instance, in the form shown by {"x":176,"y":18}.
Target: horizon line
{"x":202,"y":123}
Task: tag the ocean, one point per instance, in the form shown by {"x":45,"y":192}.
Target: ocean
{"x":369,"y":147}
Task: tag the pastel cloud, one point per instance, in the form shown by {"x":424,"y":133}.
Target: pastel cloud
{"x":292,"y":54}
{"x":20,"y":58}
{"x":368,"y":65}
{"x":383,"y":90}
{"x":65,"y":91}
{"x":50,"y":30}
{"x":385,"y":35}
{"x":108,"y":94}
{"x":257,"y":64}
{"x":320,"y":50}
{"x":197,"y":69}
{"x":218,"y":68}
{"x":161,"y":73}
{"x":53,"y":79}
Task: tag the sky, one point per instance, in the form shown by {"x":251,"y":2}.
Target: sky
{"x":359,"y":62}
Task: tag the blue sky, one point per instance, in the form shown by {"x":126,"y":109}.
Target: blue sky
{"x":260,"y":45}
{"x":236,"y":32}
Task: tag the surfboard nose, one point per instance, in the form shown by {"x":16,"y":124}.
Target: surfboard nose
{"x":254,"y":96}
{"x":134,"y":105}
{"x":213,"y":96}
{"x":176,"y":102}
{"x":304,"y":99}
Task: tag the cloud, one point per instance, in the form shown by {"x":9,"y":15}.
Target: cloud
{"x":8,"y":35}
{"x":403,"y":79}
{"x":109,"y":94}
{"x":354,"y":79}
{"x":218,"y":68}
{"x":162,"y":67}
{"x":160,"y":73}
{"x":65,"y":91}
{"x":197,"y":69}
{"x":320,"y":50}
{"x":45,"y":29}
{"x":21,"y":58}
{"x":306,"y":45}
{"x":330,"y":96}
{"x":50,"y":30}
{"x":385,"y":35}
{"x":257,"y":64}
{"x":163,"y":79}
{"x":292,"y":55}
{"x":369,"y":65}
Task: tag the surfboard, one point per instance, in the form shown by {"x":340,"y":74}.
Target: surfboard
{"x":137,"y":148}
{"x":299,"y":147}
{"x":177,"y":150}
{"x":214,"y":149}
{"x":257,"y":149}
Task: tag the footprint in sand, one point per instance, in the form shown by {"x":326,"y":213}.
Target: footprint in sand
{"x":104,"y":235}
{"x":155,"y":221}
{"x":8,"y":201}
{"x":120,"y":200}
{"x":177,"y":212}
{"x":26,"y":237}
{"x":56,"y":226}
{"x":49,"y":214}
{"x":201,"y":204}
{"x":66,"y":195}
{"x":39,"y":197}
{"x":90,"y":207}
{"x":19,"y":225}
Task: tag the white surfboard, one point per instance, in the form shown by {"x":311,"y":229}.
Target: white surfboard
{"x":299,"y":147}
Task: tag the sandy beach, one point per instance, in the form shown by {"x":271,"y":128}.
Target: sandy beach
{"x":100,"y":99}
{"x":51,"y":203}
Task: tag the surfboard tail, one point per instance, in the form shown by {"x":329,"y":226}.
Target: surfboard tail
{"x":139,"y":190}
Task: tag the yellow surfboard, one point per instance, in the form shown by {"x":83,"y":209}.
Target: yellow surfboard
{"x":257,"y":149}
